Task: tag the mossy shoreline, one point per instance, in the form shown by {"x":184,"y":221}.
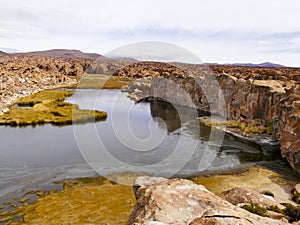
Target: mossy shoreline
{"x":98,"y":200}
{"x":81,"y":201}
{"x":48,"y":107}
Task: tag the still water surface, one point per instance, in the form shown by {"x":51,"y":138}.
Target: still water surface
{"x":147,"y":137}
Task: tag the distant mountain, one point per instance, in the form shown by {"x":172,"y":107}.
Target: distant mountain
{"x":8,"y":50}
{"x":265,"y":64}
{"x":3,"y":53}
{"x":65,"y":53}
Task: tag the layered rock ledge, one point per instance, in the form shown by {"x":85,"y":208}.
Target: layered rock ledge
{"x":181,"y":202}
{"x":268,"y":95}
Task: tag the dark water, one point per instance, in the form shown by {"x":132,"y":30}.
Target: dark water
{"x":152,"y":137}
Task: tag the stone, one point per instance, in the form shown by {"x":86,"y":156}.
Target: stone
{"x":297,"y":188}
{"x":181,"y":202}
{"x":240,"y":195}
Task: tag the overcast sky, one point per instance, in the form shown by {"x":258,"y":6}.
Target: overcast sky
{"x":223,"y":31}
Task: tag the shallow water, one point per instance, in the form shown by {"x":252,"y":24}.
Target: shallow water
{"x":151,"y":137}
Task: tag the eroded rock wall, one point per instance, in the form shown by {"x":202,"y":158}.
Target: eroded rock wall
{"x":269,"y":94}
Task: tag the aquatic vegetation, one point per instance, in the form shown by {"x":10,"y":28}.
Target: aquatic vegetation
{"x":82,"y":201}
{"x":256,"y":178}
{"x":292,"y":211}
{"x":256,"y":209}
{"x":42,"y":96}
{"x":256,"y":126}
{"x":101,"y":81}
{"x":275,"y":208}
{"x":296,"y":196}
{"x":47,"y":106}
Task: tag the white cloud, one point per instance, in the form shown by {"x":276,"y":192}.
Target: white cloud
{"x":250,"y":28}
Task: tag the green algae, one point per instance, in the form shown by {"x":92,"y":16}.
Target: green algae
{"x":48,"y":106}
{"x":82,"y":201}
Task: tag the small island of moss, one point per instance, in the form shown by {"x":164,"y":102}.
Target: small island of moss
{"x":48,"y":106}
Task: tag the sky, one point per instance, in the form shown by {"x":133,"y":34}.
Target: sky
{"x":221,"y":31}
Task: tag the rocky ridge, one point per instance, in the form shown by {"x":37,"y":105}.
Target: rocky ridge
{"x":23,"y":75}
{"x":26,"y":73}
{"x":270,"y":95}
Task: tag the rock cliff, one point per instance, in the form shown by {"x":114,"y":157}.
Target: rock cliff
{"x":270,"y":95}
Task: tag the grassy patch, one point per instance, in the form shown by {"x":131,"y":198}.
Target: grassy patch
{"x":82,"y":201}
{"x":43,"y":96}
{"x":255,"y":126}
{"x":292,"y":211}
{"x":256,"y":209}
{"x":102,"y":81}
{"x":47,"y":106}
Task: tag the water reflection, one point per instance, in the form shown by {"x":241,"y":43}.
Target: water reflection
{"x":36,"y":156}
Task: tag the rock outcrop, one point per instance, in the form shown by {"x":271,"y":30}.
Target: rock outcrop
{"x":181,"y":202}
{"x":271,"y":95}
{"x":25,"y":73}
{"x":21,"y":75}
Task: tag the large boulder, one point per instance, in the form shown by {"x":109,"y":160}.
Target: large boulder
{"x":181,"y":202}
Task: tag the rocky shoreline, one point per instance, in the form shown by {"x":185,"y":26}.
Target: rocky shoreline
{"x":23,"y":75}
{"x":270,"y":95}
{"x":163,"y":201}
{"x":255,"y":99}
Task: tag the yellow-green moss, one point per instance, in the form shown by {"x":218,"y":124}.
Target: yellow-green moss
{"x":296,"y":196}
{"x":47,"y":106}
{"x":45,"y":95}
{"x":102,"y":81}
{"x":82,"y":201}
{"x":256,"y":126}
{"x":292,"y":211}
{"x":256,"y":209}
{"x":256,"y":178}
{"x":23,"y":200}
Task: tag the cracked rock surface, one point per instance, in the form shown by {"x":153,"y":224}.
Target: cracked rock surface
{"x":181,"y":202}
